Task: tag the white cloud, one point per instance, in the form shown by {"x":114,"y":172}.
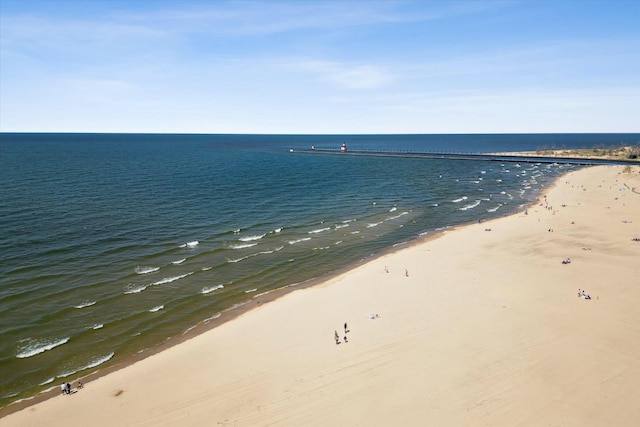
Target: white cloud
{"x":348,"y":76}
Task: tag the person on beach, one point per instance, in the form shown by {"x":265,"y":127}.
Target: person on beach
{"x":63,"y":388}
{"x":68,"y":388}
{"x":80,"y":385}
{"x":335,"y":333}
{"x":345,"y":339}
{"x":345,"y":328}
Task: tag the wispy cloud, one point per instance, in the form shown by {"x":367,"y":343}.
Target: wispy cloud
{"x":348,"y":76}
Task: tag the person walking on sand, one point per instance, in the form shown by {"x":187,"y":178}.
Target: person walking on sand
{"x":345,"y":328}
{"x":63,"y":388}
{"x":335,"y":333}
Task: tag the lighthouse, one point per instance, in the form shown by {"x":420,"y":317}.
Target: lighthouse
{"x":344,"y":147}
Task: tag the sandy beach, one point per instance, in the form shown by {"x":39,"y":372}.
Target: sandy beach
{"x":480,"y":325}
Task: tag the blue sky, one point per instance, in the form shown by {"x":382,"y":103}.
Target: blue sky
{"x":320,"y":67}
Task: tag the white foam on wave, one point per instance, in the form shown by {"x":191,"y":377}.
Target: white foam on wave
{"x":242,"y":245}
{"x":206,"y":268}
{"x":460,"y":199}
{"x":98,"y":326}
{"x":94,"y":362}
{"x":209,"y":289}
{"x":251,"y":237}
{"x":470,"y":205}
{"x":248,"y":291}
{"x":401,"y":214}
{"x":279,"y":248}
{"x":49,"y":381}
{"x":434,"y":205}
{"x":277,"y":230}
{"x":393,"y":209}
{"x":190,"y":244}
{"x":319,"y":230}
{"x":346,"y":221}
{"x":171,"y":279}
{"x":180,"y":261}
{"x":494,"y":209}
{"x":157,"y":308}
{"x":37,"y":346}
{"x":215,"y":316}
{"x":338,"y":226}
{"x":132,"y":288}
{"x":84,"y":304}
{"x":373,"y":224}
{"x":146,"y":270}
{"x":304,"y":239}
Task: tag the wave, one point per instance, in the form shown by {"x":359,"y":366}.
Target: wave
{"x":157,"y":308}
{"x":206,"y":268}
{"x":132,"y":288}
{"x":98,"y":326}
{"x":242,"y":245}
{"x":293,"y":242}
{"x":279,"y":248}
{"x":180,"y":261}
{"x":209,"y":289}
{"x":470,"y":205}
{"x":277,"y":230}
{"x":373,"y":224}
{"x":494,"y":209}
{"x":170,"y":279}
{"x":338,"y":226}
{"x":240,"y":259}
{"x":434,"y":205}
{"x":319,"y":230}
{"x":393,"y":209}
{"x":398,"y":216}
{"x":248,"y":291}
{"x":85,"y":304}
{"x":215,"y":316}
{"x":95,"y":362}
{"x":37,"y":346}
{"x":251,"y":237}
{"x":190,"y":244}
{"x":460,"y":199}
{"x":49,"y":381}
{"x":146,"y":270}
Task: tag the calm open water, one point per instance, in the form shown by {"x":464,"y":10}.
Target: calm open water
{"x":110,"y":244}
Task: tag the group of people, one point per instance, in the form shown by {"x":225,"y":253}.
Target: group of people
{"x":337,"y":337}
{"x":566,"y":261}
{"x":65,"y":388}
{"x":583,"y":294}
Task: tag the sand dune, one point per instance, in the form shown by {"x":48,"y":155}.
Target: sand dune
{"x":486,"y":329}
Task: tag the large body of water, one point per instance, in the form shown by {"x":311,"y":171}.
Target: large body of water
{"x":112,"y":244}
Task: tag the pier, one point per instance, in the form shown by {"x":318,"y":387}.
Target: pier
{"x":491,"y":157}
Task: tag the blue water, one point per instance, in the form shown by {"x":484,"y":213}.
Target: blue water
{"x":111,"y":244}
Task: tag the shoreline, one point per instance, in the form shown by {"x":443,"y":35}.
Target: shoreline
{"x":239,"y":310}
{"x":332,"y":281}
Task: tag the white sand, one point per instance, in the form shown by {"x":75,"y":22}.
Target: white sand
{"x":487,"y":329}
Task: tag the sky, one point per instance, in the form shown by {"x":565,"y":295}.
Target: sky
{"x":320,"y":67}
